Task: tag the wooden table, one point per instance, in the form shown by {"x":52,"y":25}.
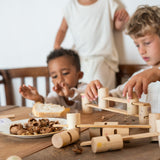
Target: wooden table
{"x":42,"y":149}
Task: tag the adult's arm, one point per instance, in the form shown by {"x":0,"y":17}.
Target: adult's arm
{"x":61,"y":34}
{"x":121,"y":17}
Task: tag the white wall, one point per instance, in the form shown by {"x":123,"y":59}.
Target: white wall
{"x":28,"y":29}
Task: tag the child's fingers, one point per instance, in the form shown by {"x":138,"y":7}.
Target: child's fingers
{"x":65,"y":90}
{"x":125,"y":90}
{"x":138,"y":88}
{"x":31,"y":87}
{"x":145,"y":87}
{"x":89,"y":95}
{"x":93,"y":91}
{"x":98,"y":84}
{"x":130,"y":91}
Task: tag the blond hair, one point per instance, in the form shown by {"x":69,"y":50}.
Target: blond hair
{"x":145,"y":20}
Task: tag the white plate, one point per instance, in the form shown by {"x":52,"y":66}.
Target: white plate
{"x":5,"y":128}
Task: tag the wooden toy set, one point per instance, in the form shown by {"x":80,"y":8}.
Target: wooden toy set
{"x":109,"y":135}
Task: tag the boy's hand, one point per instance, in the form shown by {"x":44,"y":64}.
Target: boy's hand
{"x":141,"y":81}
{"x":92,"y":89}
{"x":121,"y":17}
{"x":30,"y":93}
{"x":63,"y":89}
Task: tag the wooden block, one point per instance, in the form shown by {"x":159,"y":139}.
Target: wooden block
{"x":96,"y":131}
{"x":103,"y":92}
{"x":73,"y":119}
{"x":110,"y":131}
{"x":144,"y":114}
{"x":85,"y":108}
{"x":152,"y":122}
{"x":103,"y":144}
{"x":65,"y":138}
{"x":158,"y":130}
{"x":132,"y":109}
{"x":113,"y":138}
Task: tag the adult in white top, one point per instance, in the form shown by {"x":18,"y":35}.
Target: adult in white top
{"x":92,"y":23}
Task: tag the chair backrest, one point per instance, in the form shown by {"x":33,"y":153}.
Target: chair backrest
{"x":22,"y":73}
{"x":126,"y":70}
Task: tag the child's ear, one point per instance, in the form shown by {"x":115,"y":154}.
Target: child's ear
{"x":80,"y":76}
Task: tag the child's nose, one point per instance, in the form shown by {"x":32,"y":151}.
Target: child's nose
{"x":142,"y":50}
{"x":61,"y":79}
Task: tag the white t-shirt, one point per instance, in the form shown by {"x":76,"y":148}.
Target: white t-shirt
{"x":54,"y":98}
{"x":153,"y":96}
{"x":92,"y":29}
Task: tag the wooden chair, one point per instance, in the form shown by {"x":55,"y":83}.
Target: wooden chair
{"x":22,"y":73}
{"x":125,"y":71}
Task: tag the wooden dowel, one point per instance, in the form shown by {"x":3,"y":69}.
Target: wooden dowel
{"x":8,"y":116}
{"x":115,"y":99}
{"x":112,"y":126}
{"x":85,"y":143}
{"x":139,"y":136}
{"x":103,"y":126}
{"x":111,"y":109}
{"x":141,"y":104}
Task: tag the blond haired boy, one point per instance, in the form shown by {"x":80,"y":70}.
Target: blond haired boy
{"x":144,"y":29}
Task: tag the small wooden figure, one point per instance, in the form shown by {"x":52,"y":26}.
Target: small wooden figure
{"x":131,"y":108}
{"x":144,"y":114}
{"x":114,"y":142}
{"x":65,"y":138}
{"x":158,"y":130}
{"x":102,"y":93}
{"x":95,"y":132}
{"x":85,"y":108}
{"x":102,"y":144}
{"x":152,"y":122}
{"x":110,"y":131}
{"x":73,"y":119}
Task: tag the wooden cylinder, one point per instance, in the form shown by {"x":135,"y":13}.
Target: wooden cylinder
{"x":102,"y":93}
{"x":158,"y":130}
{"x":85,"y":108}
{"x":110,"y":131}
{"x":144,"y":114}
{"x":132,"y":109}
{"x":102,"y":144}
{"x":65,"y":138}
{"x":73,"y":119}
{"x":152,"y":122}
{"x":96,"y":131}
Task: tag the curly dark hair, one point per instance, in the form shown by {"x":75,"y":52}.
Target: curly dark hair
{"x":72,"y":55}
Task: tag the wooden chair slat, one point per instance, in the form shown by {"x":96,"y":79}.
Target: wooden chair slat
{"x":47,"y":85}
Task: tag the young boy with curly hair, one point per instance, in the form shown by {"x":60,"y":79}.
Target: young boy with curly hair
{"x":65,"y":71}
{"x":144,"y":29}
